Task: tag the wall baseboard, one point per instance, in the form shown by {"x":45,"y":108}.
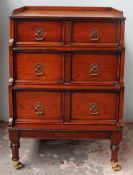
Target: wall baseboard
{"x":128,"y":121}
{"x":3,"y":123}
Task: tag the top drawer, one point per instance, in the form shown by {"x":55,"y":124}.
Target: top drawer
{"x":39,"y":32}
{"x":99,"y":32}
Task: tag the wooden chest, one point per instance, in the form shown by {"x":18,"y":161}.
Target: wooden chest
{"x":66,"y":75}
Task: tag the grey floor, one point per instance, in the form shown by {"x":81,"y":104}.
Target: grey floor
{"x":60,"y":157}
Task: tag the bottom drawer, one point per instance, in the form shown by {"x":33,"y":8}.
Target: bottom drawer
{"x":94,"y":106}
{"x":39,"y":105}
{"x":48,"y":106}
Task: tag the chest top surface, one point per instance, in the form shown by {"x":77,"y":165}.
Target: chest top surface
{"x":66,"y":12}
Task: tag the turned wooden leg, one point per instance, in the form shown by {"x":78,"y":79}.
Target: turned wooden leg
{"x":115,"y":140}
{"x":15,"y":145}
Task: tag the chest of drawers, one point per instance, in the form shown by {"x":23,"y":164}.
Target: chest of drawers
{"x":66,"y":75}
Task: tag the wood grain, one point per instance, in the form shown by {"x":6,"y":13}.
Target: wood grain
{"x":52,"y":67}
{"x":53,"y":31}
{"x":107,"y":30}
{"x":106,"y":104}
{"x":108,"y":67}
{"x":25,"y":105}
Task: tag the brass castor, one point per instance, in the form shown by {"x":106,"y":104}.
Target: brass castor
{"x":116,"y":166}
{"x":17,"y":165}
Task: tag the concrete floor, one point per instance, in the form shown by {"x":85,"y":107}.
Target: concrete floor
{"x":57,"y":157}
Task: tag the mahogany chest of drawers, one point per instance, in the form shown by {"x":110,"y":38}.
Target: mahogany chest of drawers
{"x":66,"y":75}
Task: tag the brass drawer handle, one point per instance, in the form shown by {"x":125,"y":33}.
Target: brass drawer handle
{"x":39,"y":34}
{"x":39,"y":70}
{"x":94,"y":69}
{"x":39,"y":108}
{"x":94,"y":36}
{"x":93,"y":109}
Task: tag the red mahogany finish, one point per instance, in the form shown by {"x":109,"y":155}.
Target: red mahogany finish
{"x":52,"y":31}
{"x":39,"y":67}
{"x":66,"y":75}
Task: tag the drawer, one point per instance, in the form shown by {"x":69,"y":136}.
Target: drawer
{"x":94,"y":106}
{"x":39,"y":68}
{"x":95,"y":67}
{"x":39,"y":105}
{"x":95,"y":32}
{"x":40,"y":32}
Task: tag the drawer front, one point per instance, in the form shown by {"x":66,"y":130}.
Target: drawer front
{"x":39,"y":67}
{"x":95,"y":67}
{"x":37,"y":32}
{"x":95,"y":32}
{"x":39,"y":105}
{"x":94,"y":106}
